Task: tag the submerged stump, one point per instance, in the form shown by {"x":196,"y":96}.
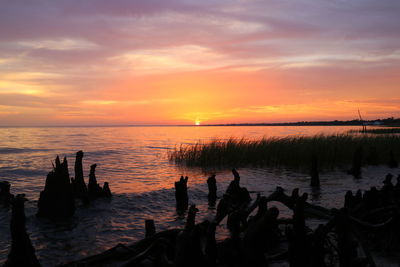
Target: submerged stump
{"x":181,"y":195}
{"x":79,"y":185}
{"x":150,"y":228}
{"x":57,"y":200}
{"x":94,"y":189}
{"x":22,"y":252}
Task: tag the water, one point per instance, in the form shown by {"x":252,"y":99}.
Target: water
{"x":134,"y":161}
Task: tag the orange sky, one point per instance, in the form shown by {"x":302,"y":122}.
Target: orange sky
{"x":177,"y":62}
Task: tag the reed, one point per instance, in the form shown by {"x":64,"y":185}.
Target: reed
{"x":295,"y":152}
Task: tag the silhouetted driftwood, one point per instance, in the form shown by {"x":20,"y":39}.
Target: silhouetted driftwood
{"x":290,"y":201}
{"x":234,"y":197}
{"x":57,"y":200}
{"x":372,"y":215}
{"x":22,"y":252}
{"x":181,"y":195}
{"x":5,"y":195}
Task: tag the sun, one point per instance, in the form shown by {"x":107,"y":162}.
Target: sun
{"x":197,"y":122}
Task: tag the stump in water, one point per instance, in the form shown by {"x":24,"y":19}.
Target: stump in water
{"x":94,"y":189}
{"x":181,"y":195}
{"x":392,"y":160}
{"x":57,"y":200}
{"x":357,"y":163}
{"x":314,"y":172}
{"x":22,"y":252}
{"x":106,"y":190}
{"x":150,"y":228}
{"x":5,"y":195}
{"x":212,"y":190}
{"x":78,"y":183}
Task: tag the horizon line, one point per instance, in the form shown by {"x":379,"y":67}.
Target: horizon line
{"x":296,"y":123}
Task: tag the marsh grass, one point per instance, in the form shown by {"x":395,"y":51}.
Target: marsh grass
{"x":392,"y":130}
{"x":333,"y":151}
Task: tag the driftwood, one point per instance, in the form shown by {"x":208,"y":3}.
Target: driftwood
{"x":121,"y":254}
{"x":253,"y":240}
{"x":289,"y":201}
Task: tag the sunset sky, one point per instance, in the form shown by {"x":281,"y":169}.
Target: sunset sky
{"x":74,"y":62}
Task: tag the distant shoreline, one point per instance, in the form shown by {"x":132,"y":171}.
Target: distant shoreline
{"x":389,"y":122}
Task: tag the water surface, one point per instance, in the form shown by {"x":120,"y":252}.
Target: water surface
{"x":134,"y":161}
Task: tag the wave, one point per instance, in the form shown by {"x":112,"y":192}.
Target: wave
{"x":14,"y":150}
{"x":13,"y":172}
{"x":158,"y":147}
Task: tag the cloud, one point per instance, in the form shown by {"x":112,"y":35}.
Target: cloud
{"x":68,"y":53}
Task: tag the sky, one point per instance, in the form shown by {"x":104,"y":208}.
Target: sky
{"x":102,"y":62}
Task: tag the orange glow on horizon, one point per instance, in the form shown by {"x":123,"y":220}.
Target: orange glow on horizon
{"x":179,"y":63}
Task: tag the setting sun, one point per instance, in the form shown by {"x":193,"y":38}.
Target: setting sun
{"x":197,"y":122}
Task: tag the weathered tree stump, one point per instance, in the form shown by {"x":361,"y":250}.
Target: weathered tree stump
{"x":22,"y":252}
{"x":211,"y":246}
{"x":94,"y":188}
{"x":78,"y":183}
{"x":186,"y":245}
{"x":106,"y":190}
{"x":181,"y":195}
{"x":299,"y":245}
{"x":57,"y":200}
{"x":150,"y":228}
{"x":347,"y":247}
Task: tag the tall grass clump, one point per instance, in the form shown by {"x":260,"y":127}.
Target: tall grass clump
{"x":295,"y":152}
